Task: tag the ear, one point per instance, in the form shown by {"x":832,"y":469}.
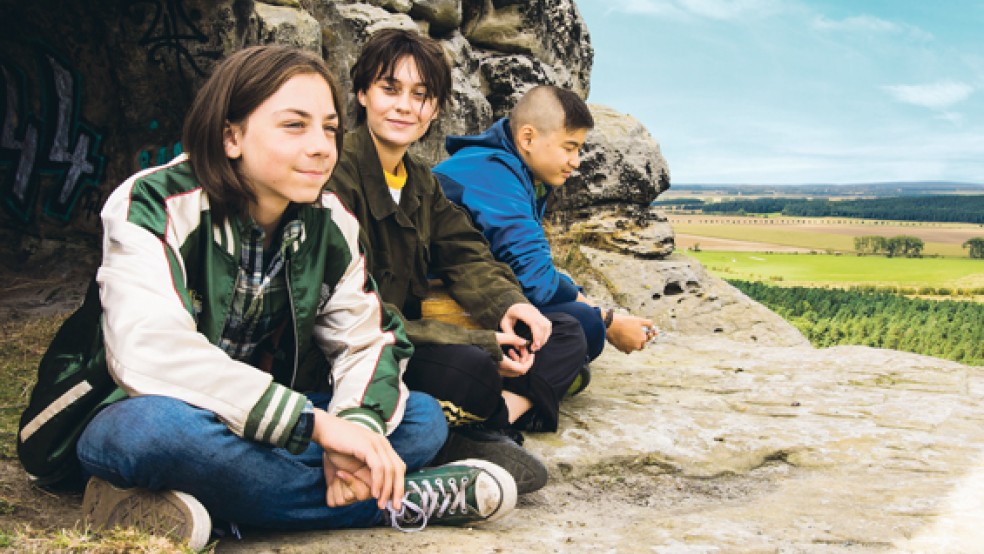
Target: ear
{"x":525,"y":136}
{"x":232,"y":140}
{"x":361,"y":97}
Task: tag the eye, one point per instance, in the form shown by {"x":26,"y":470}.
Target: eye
{"x":294,"y":124}
{"x":331,"y":129}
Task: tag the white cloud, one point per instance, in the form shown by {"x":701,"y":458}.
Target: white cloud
{"x":869,"y":25}
{"x":647,"y":7}
{"x":708,"y":9}
{"x":936,"y":96}
{"x":857,"y":23}
{"x":729,"y":9}
{"x":952,"y":117}
{"x":905,"y":156}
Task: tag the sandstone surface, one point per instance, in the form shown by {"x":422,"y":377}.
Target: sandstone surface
{"x":718,"y":438}
{"x":729,"y":433}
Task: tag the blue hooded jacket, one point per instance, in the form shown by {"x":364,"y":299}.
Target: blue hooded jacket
{"x":486,"y":175}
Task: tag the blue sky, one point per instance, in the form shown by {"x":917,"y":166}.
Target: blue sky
{"x":798,"y":91}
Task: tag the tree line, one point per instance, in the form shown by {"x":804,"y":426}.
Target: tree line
{"x":941,"y":328}
{"x":944,"y":208}
{"x":902,"y":245}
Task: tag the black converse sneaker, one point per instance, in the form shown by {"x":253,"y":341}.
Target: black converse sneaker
{"x":463,"y":493}
{"x":169,"y":513}
{"x":498,"y":447}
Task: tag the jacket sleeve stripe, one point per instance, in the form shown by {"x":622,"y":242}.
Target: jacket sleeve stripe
{"x":273,"y":417}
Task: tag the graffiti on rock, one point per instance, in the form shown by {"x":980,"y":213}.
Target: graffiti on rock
{"x":51,"y":149}
{"x":171,"y":33}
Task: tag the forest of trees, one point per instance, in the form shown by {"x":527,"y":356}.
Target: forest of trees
{"x":941,"y":328}
{"x":946,"y":209}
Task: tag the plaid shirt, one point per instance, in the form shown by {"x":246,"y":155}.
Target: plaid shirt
{"x":260,"y":303}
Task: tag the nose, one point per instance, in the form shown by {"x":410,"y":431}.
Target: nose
{"x":575,"y":159}
{"x":322,"y":143}
{"x":403,"y":104}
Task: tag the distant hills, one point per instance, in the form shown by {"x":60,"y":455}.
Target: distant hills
{"x":861,"y":190}
{"x":909,"y":201}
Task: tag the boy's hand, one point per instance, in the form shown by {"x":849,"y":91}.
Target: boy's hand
{"x":540,"y":326}
{"x":629,"y":333}
{"x":516,"y":357}
{"x":348,"y":445}
{"x":348,"y":480}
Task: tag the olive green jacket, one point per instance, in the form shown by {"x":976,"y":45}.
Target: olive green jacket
{"x":425,"y":235}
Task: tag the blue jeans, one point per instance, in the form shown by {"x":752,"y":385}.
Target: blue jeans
{"x":158,"y":442}
{"x":591,"y":320}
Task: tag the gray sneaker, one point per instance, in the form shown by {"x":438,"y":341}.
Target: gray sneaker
{"x":462,"y":493}
{"x":167,"y":513}
{"x":498,"y":447}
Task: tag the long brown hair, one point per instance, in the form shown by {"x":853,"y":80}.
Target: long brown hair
{"x":238,"y":86}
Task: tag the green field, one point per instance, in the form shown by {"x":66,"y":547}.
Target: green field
{"x":844,"y":270}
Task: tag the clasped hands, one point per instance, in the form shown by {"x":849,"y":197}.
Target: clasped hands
{"x":358,"y":463}
{"x":519,"y":354}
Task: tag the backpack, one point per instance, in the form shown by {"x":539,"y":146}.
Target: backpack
{"x":73,"y":386}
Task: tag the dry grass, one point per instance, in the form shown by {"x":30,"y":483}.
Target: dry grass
{"x":28,"y":539}
{"x":564,"y":245}
{"x":32,"y":520}
{"x":22,"y":343}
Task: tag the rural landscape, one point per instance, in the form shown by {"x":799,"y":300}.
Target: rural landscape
{"x":892,"y":265}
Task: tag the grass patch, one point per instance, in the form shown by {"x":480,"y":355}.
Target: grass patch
{"x":28,"y":539}
{"x":22,"y":343}
{"x":845,"y":270}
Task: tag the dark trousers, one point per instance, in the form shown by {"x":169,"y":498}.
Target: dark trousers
{"x":590,"y":318}
{"x":466,"y":381}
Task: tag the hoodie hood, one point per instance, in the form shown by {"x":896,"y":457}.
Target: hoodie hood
{"x":498,"y":136}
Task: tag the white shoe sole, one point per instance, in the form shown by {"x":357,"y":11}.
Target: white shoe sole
{"x":169,"y":513}
{"x":495,"y":493}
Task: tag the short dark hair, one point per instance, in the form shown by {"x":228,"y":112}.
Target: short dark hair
{"x":540,"y":100}
{"x":237,"y":86}
{"x":385,"y":48}
{"x":577,"y":115}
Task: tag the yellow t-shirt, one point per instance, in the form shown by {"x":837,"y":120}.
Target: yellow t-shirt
{"x":396,"y":182}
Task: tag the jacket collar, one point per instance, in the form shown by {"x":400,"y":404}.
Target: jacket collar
{"x":377,"y":196}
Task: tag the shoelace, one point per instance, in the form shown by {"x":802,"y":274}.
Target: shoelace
{"x":440,"y":500}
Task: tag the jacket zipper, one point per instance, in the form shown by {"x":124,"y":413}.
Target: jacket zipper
{"x":293,"y":322}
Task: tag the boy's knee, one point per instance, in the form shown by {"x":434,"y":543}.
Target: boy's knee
{"x":139,"y":427}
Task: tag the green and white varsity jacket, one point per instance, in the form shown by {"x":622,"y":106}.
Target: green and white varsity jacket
{"x":166,"y":285}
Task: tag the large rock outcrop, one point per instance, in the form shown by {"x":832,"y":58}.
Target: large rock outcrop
{"x":95,"y":91}
{"x":609,"y":200}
